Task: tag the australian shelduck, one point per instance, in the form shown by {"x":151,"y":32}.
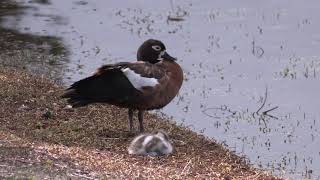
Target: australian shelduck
{"x":149,"y":83}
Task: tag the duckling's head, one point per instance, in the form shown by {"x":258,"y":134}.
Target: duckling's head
{"x":161,"y":133}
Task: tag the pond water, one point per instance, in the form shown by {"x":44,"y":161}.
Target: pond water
{"x":240,"y":59}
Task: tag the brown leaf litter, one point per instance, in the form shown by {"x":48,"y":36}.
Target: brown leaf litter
{"x":92,"y":141}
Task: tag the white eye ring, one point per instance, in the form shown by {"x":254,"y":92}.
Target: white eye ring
{"x":156,"y":47}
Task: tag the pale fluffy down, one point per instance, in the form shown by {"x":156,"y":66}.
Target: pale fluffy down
{"x":137,"y":80}
{"x":155,"y":144}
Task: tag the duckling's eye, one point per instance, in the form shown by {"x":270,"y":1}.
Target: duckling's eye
{"x":156,"y":47}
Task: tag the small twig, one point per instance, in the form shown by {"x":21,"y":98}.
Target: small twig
{"x":264,"y":102}
{"x":274,"y":117}
{"x":185,"y":167}
{"x":265,"y":112}
{"x":263,"y":120}
{"x":254,"y":48}
{"x":88,"y":114}
{"x":113,"y":138}
{"x":173,"y":18}
{"x":82,"y":175}
{"x":170,"y":18}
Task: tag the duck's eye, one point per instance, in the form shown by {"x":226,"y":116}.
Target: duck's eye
{"x":156,"y":47}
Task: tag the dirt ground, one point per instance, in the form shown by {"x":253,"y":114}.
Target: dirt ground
{"x":41,"y":138}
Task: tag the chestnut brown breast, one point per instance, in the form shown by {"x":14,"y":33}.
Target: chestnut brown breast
{"x":168,"y":87}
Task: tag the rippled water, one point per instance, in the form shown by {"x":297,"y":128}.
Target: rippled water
{"x":233,"y":53}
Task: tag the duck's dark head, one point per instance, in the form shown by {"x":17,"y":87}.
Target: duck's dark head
{"x":153,"y":51}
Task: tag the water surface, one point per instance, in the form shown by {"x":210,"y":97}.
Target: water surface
{"x":232,"y":54}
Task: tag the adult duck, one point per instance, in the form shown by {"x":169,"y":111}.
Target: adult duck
{"x":147,"y":84}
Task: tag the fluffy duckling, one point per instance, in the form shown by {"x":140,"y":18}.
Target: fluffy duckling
{"x":151,"y":144}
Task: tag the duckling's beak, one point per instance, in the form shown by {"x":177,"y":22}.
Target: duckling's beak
{"x":166,"y":56}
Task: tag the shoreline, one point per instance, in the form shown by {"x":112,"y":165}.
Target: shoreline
{"x":94,"y":139}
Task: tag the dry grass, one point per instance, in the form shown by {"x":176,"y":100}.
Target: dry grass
{"x":95,"y":138}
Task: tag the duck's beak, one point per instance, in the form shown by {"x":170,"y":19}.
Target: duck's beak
{"x":166,"y":56}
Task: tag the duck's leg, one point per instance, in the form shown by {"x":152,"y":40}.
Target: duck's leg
{"x":140,"y":117}
{"x":130,"y":115}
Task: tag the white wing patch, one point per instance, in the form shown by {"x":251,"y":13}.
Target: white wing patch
{"x":137,"y":80}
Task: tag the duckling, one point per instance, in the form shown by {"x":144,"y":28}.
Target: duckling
{"x":151,"y":144}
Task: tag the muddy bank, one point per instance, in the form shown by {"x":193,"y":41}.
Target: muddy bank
{"x":94,"y":139}
{"x":42,"y":55}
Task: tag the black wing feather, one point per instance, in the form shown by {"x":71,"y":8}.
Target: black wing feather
{"x":108,"y":85}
